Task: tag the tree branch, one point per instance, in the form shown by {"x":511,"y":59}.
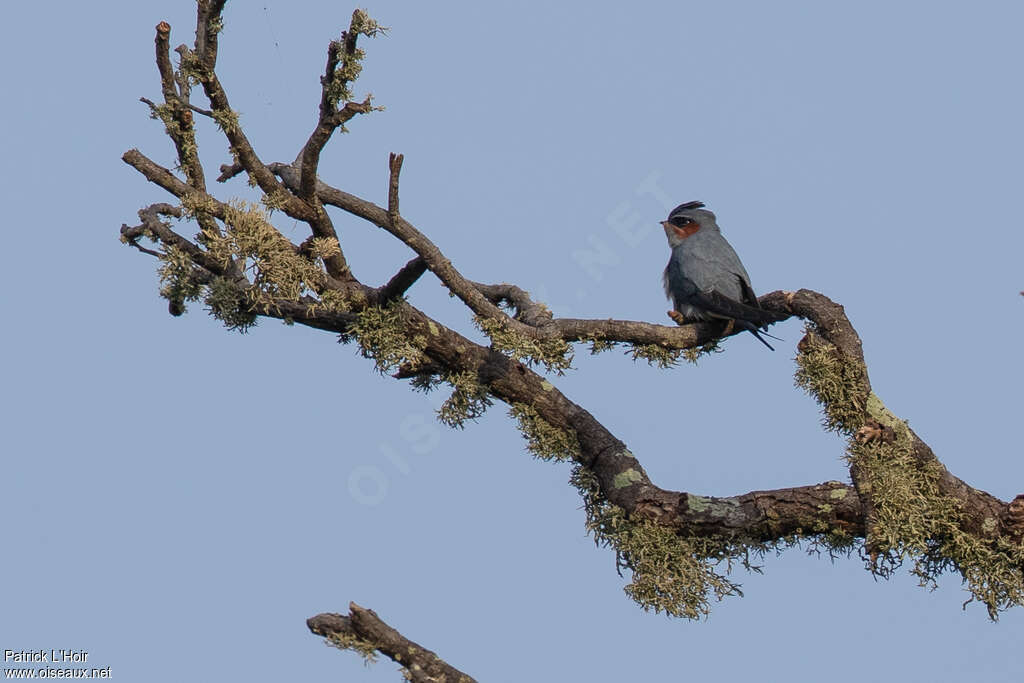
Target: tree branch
{"x":417,"y":241}
{"x":342,"y":67}
{"x":209,"y":23}
{"x":405,"y":278}
{"x":395,"y":169}
{"x":362,"y":630}
{"x":154,"y":228}
{"x":202,"y":63}
{"x":177,"y":116}
{"x":602,"y":452}
{"x":934,"y":517}
{"x":162,"y":177}
{"x":621,"y":479}
{"x":609,"y":458}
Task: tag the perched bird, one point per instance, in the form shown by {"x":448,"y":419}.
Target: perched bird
{"x":704,"y":277}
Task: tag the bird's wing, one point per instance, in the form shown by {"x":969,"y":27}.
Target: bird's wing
{"x":719,"y":305}
{"x":711,"y":264}
{"x":677,"y":284}
{"x":719,"y":282}
{"x":748,"y":297}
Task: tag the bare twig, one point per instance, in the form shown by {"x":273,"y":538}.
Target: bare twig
{"x":436,"y":262}
{"x":395,"y":169}
{"x":163,"y":61}
{"x":199,"y":110}
{"x":157,"y":174}
{"x":405,"y":278}
{"x":153,"y":227}
{"x":229,"y":171}
{"x":528,"y":311}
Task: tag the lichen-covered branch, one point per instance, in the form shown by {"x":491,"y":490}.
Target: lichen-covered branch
{"x":344,"y":62}
{"x":436,"y":262}
{"x":162,"y":177}
{"x":343,"y":66}
{"x":914,"y":508}
{"x":679,"y":546}
{"x":532,"y":323}
{"x":363,"y":632}
{"x":200,"y":64}
{"x":175,"y":112}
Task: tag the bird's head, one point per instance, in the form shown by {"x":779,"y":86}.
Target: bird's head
{"x":685,"y":220}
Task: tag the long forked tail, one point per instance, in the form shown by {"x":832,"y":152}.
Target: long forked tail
{"x":757,"y":332}
{"x":761,"y":339}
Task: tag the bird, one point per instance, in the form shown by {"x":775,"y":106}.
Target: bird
{"x":704,"y":278}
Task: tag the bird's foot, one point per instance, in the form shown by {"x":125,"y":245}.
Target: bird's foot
{"x":729,"y":327}
{"x":677,"y":317}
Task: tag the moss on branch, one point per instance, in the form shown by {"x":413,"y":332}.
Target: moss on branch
{"x":553,"y":353}
{"x":543,"y":439}
{"x":382,"y":337}
{"x":911,"y":517}
{"x":469,"y":399}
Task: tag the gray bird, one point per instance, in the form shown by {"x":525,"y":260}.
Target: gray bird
{"x":704,"y":278}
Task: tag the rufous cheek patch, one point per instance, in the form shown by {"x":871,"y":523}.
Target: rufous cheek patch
{"x":683,"y":233}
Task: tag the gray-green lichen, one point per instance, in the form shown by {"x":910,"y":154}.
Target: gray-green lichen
{"x":227,"y":121}
{"x":195,"y":204}
{"x":351,"y":65}
{"x":599,"y":345}
{"x":657,"y":355}
{"x":277,"y":200}
{"x":468,"y":401}
{"x":349,"y":641}
{"x":216,"y":24}
{"x":277,"y":269}
{"x":182,"y":135}
{"x":660,"y":356}
{"x":382,"y":337}
{"x":836,"y":382}
{"x":665,"y":357}
{"x":670,"y":573}
{"x":177,"y":283}
{"x":278,"y":272}
{"x":692,"y":355}
{"x":553,"y":353}
{"x":911,"y":518}
{"x":718,"y":507}
{"x":227,"y":303}
{"x":543,"y":439}
{"x":627,"y":477}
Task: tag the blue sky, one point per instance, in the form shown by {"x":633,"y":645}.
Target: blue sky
{"x":178,"y":499}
